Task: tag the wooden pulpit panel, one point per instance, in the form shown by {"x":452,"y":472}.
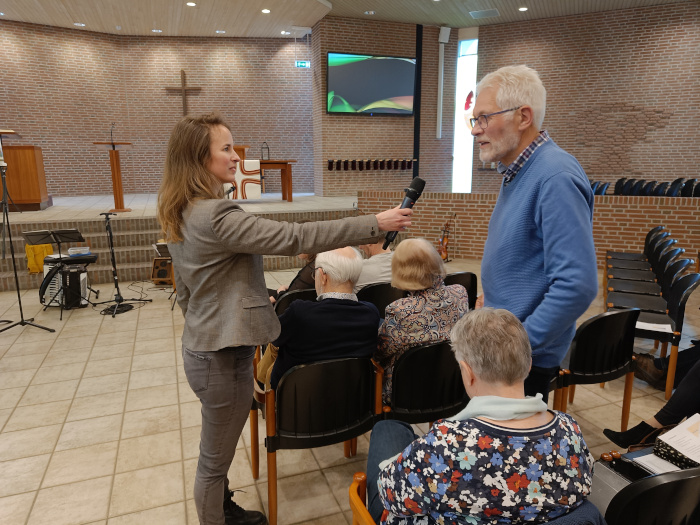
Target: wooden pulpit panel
{"x":26,"y":180}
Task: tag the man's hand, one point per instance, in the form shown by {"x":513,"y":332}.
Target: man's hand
{"x":479,"y":302}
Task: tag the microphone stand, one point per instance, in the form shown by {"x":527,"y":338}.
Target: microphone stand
{"x":6,"y":224}
{"x":121,"y":305}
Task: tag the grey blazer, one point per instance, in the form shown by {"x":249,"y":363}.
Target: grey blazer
{"x":218,"y":269}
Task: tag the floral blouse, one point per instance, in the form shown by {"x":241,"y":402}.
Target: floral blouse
{"x":476,"y":472}
{"x":426,"y":316}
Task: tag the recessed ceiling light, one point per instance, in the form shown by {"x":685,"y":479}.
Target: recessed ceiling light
{"x":522,"y":9}
{"x":220,"y":32}
{"x":266,"y":11}
{"x":119,"y":28}
{"x":370,"y":12}
{"x":286,"y":33}
{"x":78,"y":24}
{"x":156,"y":30}
{"x":191,"y":4}
{"x":2,"y":14}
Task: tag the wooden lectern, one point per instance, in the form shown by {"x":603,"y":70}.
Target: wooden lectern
{"x":113,"y":148}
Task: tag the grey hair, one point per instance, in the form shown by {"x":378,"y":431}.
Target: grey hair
{"x":494,"y":344}
{"x":517,"y":86}
{"x":340,"y":268}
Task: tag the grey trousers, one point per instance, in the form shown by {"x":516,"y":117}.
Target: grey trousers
{"x":223,"y":382}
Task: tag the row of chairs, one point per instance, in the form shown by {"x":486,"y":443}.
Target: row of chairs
{"x":599,"y":187}
{"x":657,"y":283}
{"x":679,"y":187}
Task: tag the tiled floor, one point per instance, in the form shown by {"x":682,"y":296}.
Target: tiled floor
{"x":98,"y":424}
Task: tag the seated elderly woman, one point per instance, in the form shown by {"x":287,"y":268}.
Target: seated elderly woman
{"x":427,"y":315}
{"x":504,"y":458}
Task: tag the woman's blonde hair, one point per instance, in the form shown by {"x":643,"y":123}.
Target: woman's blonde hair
{"x":415,"y":265}
{"x":185,"y":177}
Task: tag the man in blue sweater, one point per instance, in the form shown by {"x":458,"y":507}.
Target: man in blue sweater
{"x":539,"y":258}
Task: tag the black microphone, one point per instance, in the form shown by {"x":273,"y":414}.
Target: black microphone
{"x":413,"y":192}
{"x":230,"y":190}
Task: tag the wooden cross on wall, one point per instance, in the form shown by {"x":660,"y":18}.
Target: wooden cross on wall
{"x":183,"y":89}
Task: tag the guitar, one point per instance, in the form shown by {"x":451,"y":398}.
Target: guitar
{"x":445,"y":239}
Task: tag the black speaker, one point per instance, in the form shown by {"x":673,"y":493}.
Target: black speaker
{"x":162,"y":273}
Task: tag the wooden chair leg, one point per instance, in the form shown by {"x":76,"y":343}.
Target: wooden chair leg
{"x":671,"y":372}
{"x":627,"y":401}
{"x":664,"y":350}
{"x":254,"y":452}
{"x":353,"y":446}
{"x":272,"y":488}
{"x":656,"y":345}
{"x":572,"y":391}
{"x":565,"y":398}
{"x":556,"y":401}
{"x":347,"y":448}
{"x":602,"y":385}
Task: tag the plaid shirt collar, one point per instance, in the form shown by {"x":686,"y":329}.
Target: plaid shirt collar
{"x":337,"y":295}
{"x":509,"y":172}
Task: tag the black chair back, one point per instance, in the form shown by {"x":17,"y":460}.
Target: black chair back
{"x":324,"y":403}
{"x":680,"y":291}
{"x":667,"y":257}
{"x":696,"y":191}
{"x":380,"y":295}
{"x":648,"y":188}
{"x":674,"y":272}
{"x":689,"y":187}
{"x":618,"y":186}
{"x":466,"y":279}
{"x":602,"y":189}
{"x":288,"y":298}
{"x":674,"y":190}
{"x":672,"y":498}
{"x":594,"y":186}
{"x":637,"y":187}
{"x":661,"y":189}
{"x":427,"y":384}
{"x":627,"y":188}
{"x":602,"y":347}
{"x":653,"y":240}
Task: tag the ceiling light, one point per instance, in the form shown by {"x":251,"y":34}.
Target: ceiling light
{"x":156,"y":30}
{"x":220,"y":32}
{"x":2,"y":14}
{"x":266,"y":11}
{"x":191,"y":4}
{"x":286,"y":33}
{"x":523,"y":9}
{"x":78,"y":24}
{"x":370,"y":12}
{"x":119,"y":28}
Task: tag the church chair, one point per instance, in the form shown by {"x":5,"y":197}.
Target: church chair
{"x":689,"y":187}
{"x":673,"y":272}
{"x":661,"y":189}
{"x":426,"y":385}
{"x":288,"y":298}
{"x":602,"y":189}
{"x":672,"y":498}
{"x":594,"y":186}
{"x":380,"y":295}
{"x":249,"y":179}
{"x":674,"y":190}
{"x":466,"y":279}
{"x":654,"y":236}
{"x":627,"y":187}
{"x":696,"y":191}
{"x":648,"y":188}
{"x":617,"y":190}
{"x":602,"y":350}
{"x":649,"y":264}
{"x":636,"y":189}
{"x":668,"y":327}
{"x":315,"y":405}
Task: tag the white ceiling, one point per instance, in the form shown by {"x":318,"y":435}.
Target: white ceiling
{"x":243,"y":18}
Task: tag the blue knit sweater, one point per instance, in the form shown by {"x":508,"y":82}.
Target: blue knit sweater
{"x":539,"y":258}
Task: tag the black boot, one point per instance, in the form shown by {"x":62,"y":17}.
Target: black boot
{"x":642,"y":433}
{"x":236,"y":515}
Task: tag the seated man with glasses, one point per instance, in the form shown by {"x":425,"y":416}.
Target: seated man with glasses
{"x":334,"y":326}
{"x":539,"y":258}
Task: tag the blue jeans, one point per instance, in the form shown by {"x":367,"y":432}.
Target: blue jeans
{"x":223,"y":382}
{"x":388,"y":439}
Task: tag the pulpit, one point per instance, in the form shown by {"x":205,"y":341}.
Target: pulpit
{"x":114,"y":148}
{"x":26,"y":181}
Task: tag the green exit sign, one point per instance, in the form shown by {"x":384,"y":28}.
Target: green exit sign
{"x":303,"y":63}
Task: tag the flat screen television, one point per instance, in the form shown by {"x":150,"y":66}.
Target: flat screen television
{"x":370,"y":85}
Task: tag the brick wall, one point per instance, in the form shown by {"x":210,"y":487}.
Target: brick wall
{"x":362,"y":137}
{"x":623,"y":87}
{"x":63,"y":88}
{"x":619,"y":223}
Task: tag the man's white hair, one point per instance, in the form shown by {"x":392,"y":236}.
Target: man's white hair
{"x":517,"y":86}
{"x":341,"y":265}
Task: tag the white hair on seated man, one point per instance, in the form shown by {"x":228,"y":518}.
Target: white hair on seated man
{"x":341,"y":265}
{"x":494,"y":344}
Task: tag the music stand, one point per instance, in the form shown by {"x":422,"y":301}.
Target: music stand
{"x":60,"y":237}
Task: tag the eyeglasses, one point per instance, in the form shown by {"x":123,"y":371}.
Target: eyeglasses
{"x":313,"y":275}
{"x":483,"y":120}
